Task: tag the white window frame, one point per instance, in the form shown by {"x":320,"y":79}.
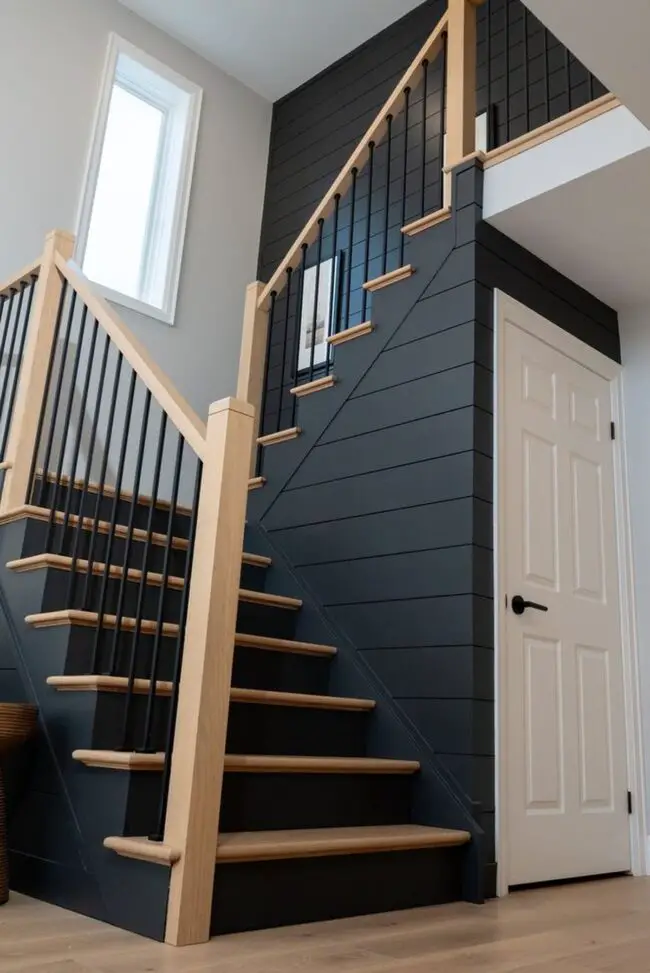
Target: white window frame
{"x":172,"y":191}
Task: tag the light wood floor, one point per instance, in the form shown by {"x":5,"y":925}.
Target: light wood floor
{"x":601,"y":927}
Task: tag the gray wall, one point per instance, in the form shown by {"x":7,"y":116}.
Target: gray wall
{"x":50,"y":73}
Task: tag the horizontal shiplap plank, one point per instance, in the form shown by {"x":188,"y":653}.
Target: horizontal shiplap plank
{"x":427,"y":527}
{"x":439,"y":672}
{"x":462,"y":726}
{"x":446,"y":349}
{"x":453,"y":620}
{"x":421,"y":574}
{"x":447,"y":478}
{"x":424,"y":397}
{"x":412,"y":442}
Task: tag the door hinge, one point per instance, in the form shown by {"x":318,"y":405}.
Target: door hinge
{"x":612,"y":430}
{"x":629,"y":802}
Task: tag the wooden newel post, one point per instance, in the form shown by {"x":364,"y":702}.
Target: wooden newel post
{"x":252,"y":359}
{"x":461,"y":85}
{"x":192,"y":824}
{"x":33,"y":374}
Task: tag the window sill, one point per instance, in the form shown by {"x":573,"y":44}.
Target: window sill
{"x":148,"y":310}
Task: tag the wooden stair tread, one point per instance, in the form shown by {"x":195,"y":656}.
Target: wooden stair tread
{"x":265,"y":598}
{"x":254,"y":763}
{"x":306,"y":700}
{"x":356,"y":331}
{"x":71,"y":616}
{"x":64,"y":563}
{"x":264,"y":697}
{"x":257,"y":763}
{"x":107,"y":684}
{"x":143,"y":849}
{"x":103,"y":526}
{"x":282,"y":645}
{"x":74,"y":616}
{"x":120,"y":760}
{"x":318,"y":385}
{"x":282,"y":436}
{"x":320,"y":842}
{"x":392,"y":277}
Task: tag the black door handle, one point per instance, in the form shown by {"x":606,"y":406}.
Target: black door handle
{"x":519,"y":606}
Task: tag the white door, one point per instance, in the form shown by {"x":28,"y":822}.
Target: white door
{"x":564,"y":720}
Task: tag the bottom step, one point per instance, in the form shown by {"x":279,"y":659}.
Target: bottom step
{"x":339,"y":873}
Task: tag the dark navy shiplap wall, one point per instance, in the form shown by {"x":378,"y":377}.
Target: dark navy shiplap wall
{"x":385,"y":509}
{"x":525,"y":77}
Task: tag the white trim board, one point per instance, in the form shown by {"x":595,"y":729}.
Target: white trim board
{"x":566,"y":343}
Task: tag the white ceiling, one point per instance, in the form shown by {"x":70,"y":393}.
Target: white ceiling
{"x":273,"y":46}
{"x":611,"y":38}
{"x":594,"y":230}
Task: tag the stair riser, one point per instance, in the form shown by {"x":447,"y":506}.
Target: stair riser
{"x":278,"y":623}
{"x":57,"y":596}
{"x":282,"y":671}
{"x":181,"y":523}
{"x":70,"y":651}
{"x":315,"y":889}
{"x":293,"y":731}
{"x":271,"y":802}
{"x":252,"y":728}
{"x":63,"y":542}
{"x":268,"y":802}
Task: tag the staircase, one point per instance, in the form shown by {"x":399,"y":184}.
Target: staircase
{"x":303,"y":806}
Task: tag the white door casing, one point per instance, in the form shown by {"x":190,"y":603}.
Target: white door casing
{"x":562,"y":711}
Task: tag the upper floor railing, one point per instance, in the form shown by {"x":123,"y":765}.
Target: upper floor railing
{"x":487,"y":70}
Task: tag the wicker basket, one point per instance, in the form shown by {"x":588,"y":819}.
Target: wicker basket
{"x":17,"y":723}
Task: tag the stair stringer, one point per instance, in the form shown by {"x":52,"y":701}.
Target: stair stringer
{"x":67,"y":865}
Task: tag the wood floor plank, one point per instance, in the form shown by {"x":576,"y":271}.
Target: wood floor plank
{"x":596,"y":927}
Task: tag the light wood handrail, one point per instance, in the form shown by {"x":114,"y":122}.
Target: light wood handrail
{"x":393,"y":105}
{"x":168,"y":398}
{"x":23,"y":431}
{"x":198,"y":758}
{"x":250,"y":380}
{"x":20,"y":278}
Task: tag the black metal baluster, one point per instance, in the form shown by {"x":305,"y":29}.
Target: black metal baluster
{"x":590,"y":80}
{"x":142,"y":587}
{"x":407,"y":105}
{"x":57,"y":394}
{"x":507,"y":77}
{"x":547,"y":89}
{"x":10,"y":353}
{"x":158,"y":834}
{"x":111,"y":529}
{"x":366,"y":257}
{"x":443,"y":117}
{"x":335,"y":234}
{"x":389,"y":147}
{"x":298,"y":329}
{"x":526,"y":91}
{"x":265,"y":386}
{"x":319,"y":257}
{"x":425,"y":99}
{"x":19,"y":362}
{"x":77,"y":442}
{"x":46,"y":395}
{"x":64,"y":432}
{"x":353,"y":204}
{"x":129,"y":536}
{"x":102,"y":478}
{"x":285,"y":349}
{"x":160,"y":616}
{"x":86,"y":481}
